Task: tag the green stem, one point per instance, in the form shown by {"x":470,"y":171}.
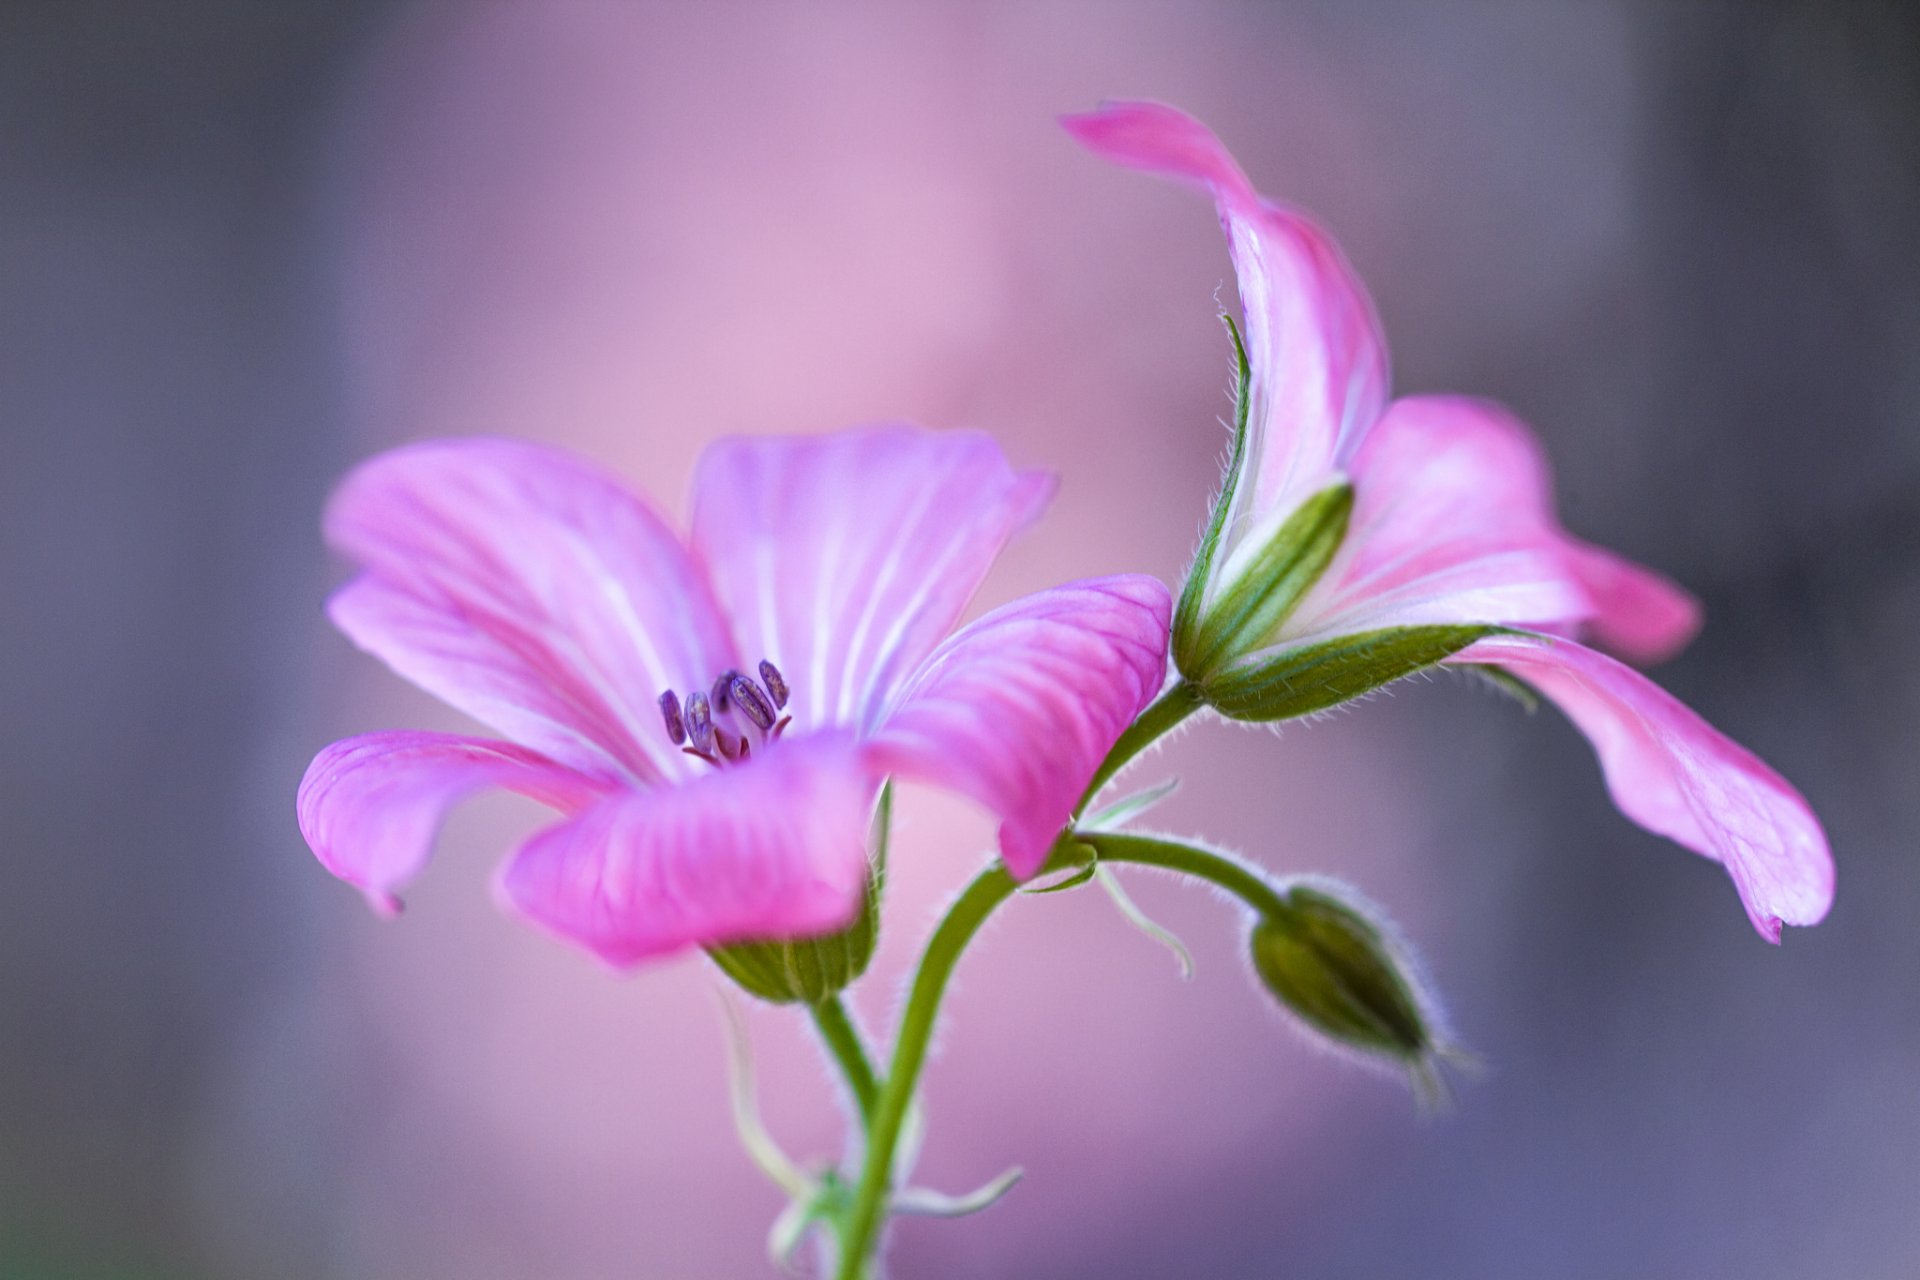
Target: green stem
{"x":860,"y":1229}
{"x":1168,"y":710}
{"x":842,"y":1038}
{"x":1229,"y":873}
{"x":989,"y":889}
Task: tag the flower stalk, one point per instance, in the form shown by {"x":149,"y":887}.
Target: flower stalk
{"x":957,"y":928}
{"x":843,"y":1041}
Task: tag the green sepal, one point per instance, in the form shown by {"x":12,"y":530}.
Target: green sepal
{"x":1248,"y":611}
{"x":1072,"y":864}
{"x":1128,"y":807}
{"x":1186,"y":615}
{"x":1340,"y":973}
{"x":808,"y":970}
{"x":1299,"y":682}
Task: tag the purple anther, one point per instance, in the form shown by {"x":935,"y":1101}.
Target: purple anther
{"x":776,"y":684}
{"x":752,"y":703}
{"x":699,"y":722}
{"x":723,"y":690}
{"x":670,"y":712}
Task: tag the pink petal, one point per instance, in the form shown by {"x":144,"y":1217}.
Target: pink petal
{"x":1675,"y":774}
{"x":774,"y":847}
{"x":845,"y":558}
{"x":1018,"y":710}
{"x":1641,"y":615}
{"x":370,"y":806}
{"x":531,"y":590}
{"x":1318,"y":358}
{"x":1452,"y":523}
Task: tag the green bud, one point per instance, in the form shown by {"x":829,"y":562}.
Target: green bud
{"x":1343,"y":974}
{"x":809,"y":970}
{"x":1299,"y":682}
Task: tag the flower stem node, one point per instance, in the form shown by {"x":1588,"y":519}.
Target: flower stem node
{"x":812,"y":970}
{"x":1344,"y":975}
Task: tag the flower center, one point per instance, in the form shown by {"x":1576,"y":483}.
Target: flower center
{"x":701,"y":727}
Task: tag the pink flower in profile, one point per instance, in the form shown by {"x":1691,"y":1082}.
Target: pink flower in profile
{"x":712,"y":718}
{"x":1423,"y":530}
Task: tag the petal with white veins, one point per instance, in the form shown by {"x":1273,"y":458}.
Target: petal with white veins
{"x":370,"y":806}
{"x":1318,"y":359}
{"x":1676,"y":775}
{"x":1019,"y":709}
{"x":775,"y":847}
{"x":1453,"y":523}
{"x":531,"y":590}
{"x":845,"y":558}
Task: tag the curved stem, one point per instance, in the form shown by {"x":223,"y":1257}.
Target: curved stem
{"x":1169,"y":709}
{"x":970,"y":910}
{"x":861,"y":1227}
{"x":843,"y":1041}
{"x":1229,"y":873}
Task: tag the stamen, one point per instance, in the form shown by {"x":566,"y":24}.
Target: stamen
{"x":670,"y":712}
{"x":729,"y":747}
{"x":753,"y":703}
{"x":699,"y":722}
{"x":776,"y":684}
{"x":722,"y":689}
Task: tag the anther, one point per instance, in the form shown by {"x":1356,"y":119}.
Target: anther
{"x":699,"y":722}
{"x":670,"y":712}
{"x":752,"y":703}
{"x":722,"y":690}
{"x":776,"y":685}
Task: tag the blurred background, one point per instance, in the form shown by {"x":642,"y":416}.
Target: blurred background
{"x":243,"y":245}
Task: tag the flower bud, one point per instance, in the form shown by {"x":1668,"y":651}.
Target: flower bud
{"x":1343,"y":975}
{"x":809,"y":970}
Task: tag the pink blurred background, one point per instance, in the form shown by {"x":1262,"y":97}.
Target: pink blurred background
{"x":245,"y":247}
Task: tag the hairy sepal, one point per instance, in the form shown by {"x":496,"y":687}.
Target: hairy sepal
{"x":809,"y":970}
{"x":1316,"y":677}
{"x":1186,"y":617}
{"x":1249,"y":610}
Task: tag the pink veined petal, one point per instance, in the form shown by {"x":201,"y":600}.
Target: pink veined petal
{"x":1675,"y":774}
{"x":774,"y":847}
{"x":1018,"y":710}
{"x":531,"y":590}
{"x":1452,"y":523}
{"x":1318,"y":358}
{"x":370,"y":806}
{"x":1643,"y":616}
{"x":845,"y":558}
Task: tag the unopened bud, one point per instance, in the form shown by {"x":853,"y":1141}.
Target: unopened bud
{"x":1344,"y":975}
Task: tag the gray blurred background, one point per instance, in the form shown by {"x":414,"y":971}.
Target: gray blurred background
{"x":242,"y":244}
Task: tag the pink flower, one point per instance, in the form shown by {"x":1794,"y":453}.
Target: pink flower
{"x":1423,"y":530}
{"x":712,"y":717}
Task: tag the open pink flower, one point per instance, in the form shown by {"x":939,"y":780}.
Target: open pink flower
{"x":713,"y":717}
{"x":1450,"y":549}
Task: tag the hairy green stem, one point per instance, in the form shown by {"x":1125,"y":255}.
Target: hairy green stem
{"x":963,"y":919}
{"x":843,"y":1041}
{"x":861,"y":1227}
{"x":1229,"y":873}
